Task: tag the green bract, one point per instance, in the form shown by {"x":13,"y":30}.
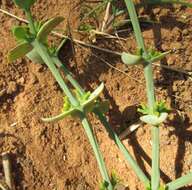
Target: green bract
{"x":131,"y":59}
{"x":24,"y":4}
{"x":139,"y":58}
{"x":154,"y":56}
{"x":159,"y":108}
{"x":87,"y":103}
{"x":153,"y":119}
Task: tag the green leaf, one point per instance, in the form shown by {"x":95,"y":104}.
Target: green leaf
{"x":154,"y":119}
{"x":66,"y":105}
{"x":161,"y":107}
{"x":61,"y":116}
{"x":20,"y":32}
{"x":144,"y":109}
{"x":24,"y":4}
{"x":114,"y":178}
{"x":159,"y":57}
{"x":19,"y":51}
{"x":103,"y":186}
{"x":47,"y":27}
{"x":130,"y":59}
{"x":94,"y":95}
{"x":37,"y":25}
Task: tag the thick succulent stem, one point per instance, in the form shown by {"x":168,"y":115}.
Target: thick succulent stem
{"x":68,"y":75}
{"x":42,"y":50}
{"x":148,"y":71}
{"x":155,"y":159}
{"x":180,"y":182}
{"x":96,"y":150}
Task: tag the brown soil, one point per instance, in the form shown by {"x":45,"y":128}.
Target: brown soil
{"x":59,"y":156}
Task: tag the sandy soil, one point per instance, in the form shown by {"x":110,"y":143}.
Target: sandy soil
{"x":58,"y":156}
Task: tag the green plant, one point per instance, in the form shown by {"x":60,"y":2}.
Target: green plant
{"x":155,"y":112}
{"x":33,"y":40}
{"x":33,"y":43}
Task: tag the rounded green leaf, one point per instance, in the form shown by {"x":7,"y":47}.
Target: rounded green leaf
{"x":130,"y":59}
{"x":20,"y":32}
{"x":24,"y":4}
{"x":19,"y":51}
{"x":153,"y":119}
{"x":94,"y":95}
{"x":48,"y":27}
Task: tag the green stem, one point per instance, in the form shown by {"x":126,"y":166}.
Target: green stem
{"x":104,"y":121}
{"x":42,"y":50}
{"x":148,"y":72}
{"x":68,"y":75}
{"x":31,"y":22}
{"x":50,"y":63}
{"x":155,"y":159}
{"x":123,"y":149}
{"x":96,"y":150}
{"x":135,"y":22}
{"x":180,"y":182}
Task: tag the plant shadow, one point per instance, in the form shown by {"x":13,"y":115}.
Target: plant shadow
{"x":94,"y":69}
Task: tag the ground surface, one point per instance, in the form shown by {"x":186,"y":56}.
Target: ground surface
{"x":58,"y":156}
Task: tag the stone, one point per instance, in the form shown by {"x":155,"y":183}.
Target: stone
{"x":12,"y":87}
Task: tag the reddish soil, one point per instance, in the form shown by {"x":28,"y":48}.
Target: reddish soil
{"x":58,"y":156}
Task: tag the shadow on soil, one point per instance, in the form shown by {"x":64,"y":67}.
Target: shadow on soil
{"x":94,"y":68}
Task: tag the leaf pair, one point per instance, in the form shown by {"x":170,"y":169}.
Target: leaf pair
{"x":25,"y":39}
{"x":159,"y":115}
{"x":88,"y":105}
{"x":131,"y":59}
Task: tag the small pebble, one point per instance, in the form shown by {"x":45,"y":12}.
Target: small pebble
{"x":33,"y":79}
{"x":12,"y":87}
{"x":21,"y":81}
{"x":185,"y":32}
{"x":2,"y":92}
